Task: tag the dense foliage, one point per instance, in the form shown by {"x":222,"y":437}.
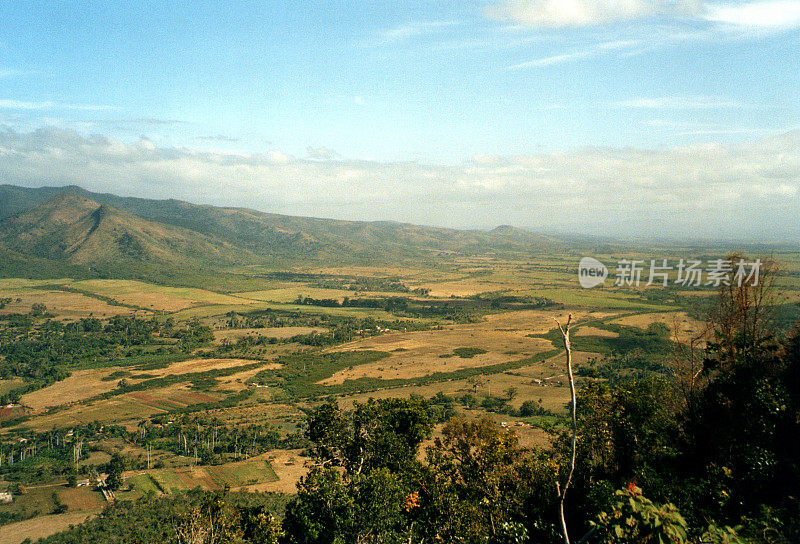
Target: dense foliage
{"x":191,"y":518}
{"x":42,"y":350}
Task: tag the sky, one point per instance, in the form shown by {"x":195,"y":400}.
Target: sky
{"x":625,"y":118}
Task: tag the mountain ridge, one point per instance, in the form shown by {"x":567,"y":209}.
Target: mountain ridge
{"x":72,"y":229}
{"x":72,"y":225}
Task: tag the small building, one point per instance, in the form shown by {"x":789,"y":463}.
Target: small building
{"x":6,"y":497}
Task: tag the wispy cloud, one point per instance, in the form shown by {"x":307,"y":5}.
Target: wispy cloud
{"x":575,"y":56}
{"x":764,"y":15}
{"x":6,"y":104}
{"x":148,"y":121}
{"x":218,"y":138}
{"x":408,"y":30}
{"x":12,"y":73}
{"x":695,"y":128}
{"x":693,"y":102}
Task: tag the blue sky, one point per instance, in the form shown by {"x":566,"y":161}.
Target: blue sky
{"x":352,"y":90}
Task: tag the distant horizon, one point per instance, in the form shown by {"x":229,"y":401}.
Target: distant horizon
{"x":636,"y":241}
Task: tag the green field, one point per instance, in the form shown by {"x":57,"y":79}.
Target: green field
{"x":232,"y":475}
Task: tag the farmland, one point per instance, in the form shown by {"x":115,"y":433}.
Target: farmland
{"x":241,"y":475}
{"x":196,"y":387}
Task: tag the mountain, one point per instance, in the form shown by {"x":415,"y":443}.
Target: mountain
{"x":131,"y":236}
{"x":72,"y":229}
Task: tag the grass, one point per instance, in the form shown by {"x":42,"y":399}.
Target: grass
{"x":288,"y":295}
{"x":64,"y":304}
{"x":131,"y":292}
{"x":35,"y":502}
{"x":143,"y":484}
{"x":80,"y":498}
{"x":170,"y":481}
{"x":167,"y":481}
{"x":96,"y":383}
{"x":12,"y":284}
{"x":600,"y":298}
{"x":9,"y":385}
{"x":242,"y":474}
{"x":42,"y":527}
{"x":81,"y":385}
{"x":653,"y":341}
{"x":302,"y":371}
{"x":299,"y":377}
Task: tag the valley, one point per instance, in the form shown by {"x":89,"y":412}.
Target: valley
{"x":206,"y":380}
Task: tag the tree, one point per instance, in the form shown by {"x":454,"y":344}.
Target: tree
{"x":532,"y":408}
{"x":477,"y":381}
{"x":364,"y":461}
{"x":511,"y":393}
{"x":114,"y":472}
{"x":742,"y":419}
{"x":332,"y":508}
{"x":476,"y":479}
{"x":260,"y":526}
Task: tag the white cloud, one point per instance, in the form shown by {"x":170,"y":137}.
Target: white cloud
{"x":720,"y":190}
{"x":767,"y":14}
{"x":764,"y":15}
{"x":6,"y":104}
{"x":577,"y":13}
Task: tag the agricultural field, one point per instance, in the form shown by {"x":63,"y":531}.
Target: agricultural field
{"x":42,"y":526}
{"x":194,"y":387}
{"x":155,"y":297}
{"x":90,"y":383}
{"x":499,"y":339}
{"x":418,"y":345}
{"x":69,"y":305}
{"x":239,"y":475}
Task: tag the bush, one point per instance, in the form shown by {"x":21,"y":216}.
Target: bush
{"x":636,"y":519}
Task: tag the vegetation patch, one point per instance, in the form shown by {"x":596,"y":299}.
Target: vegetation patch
{"x":468,"y":353}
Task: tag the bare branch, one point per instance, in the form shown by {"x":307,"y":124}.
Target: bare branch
{"x":562,"y":491}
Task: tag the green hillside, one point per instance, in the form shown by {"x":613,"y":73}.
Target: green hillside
{"x":73,"y":230}
{"x":284,"y":237}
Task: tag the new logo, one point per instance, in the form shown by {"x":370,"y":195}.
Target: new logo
{"x":591,"y":272}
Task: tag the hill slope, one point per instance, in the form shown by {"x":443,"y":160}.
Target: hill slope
{"x":72,"y":229}
{"x":288,"y":237}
